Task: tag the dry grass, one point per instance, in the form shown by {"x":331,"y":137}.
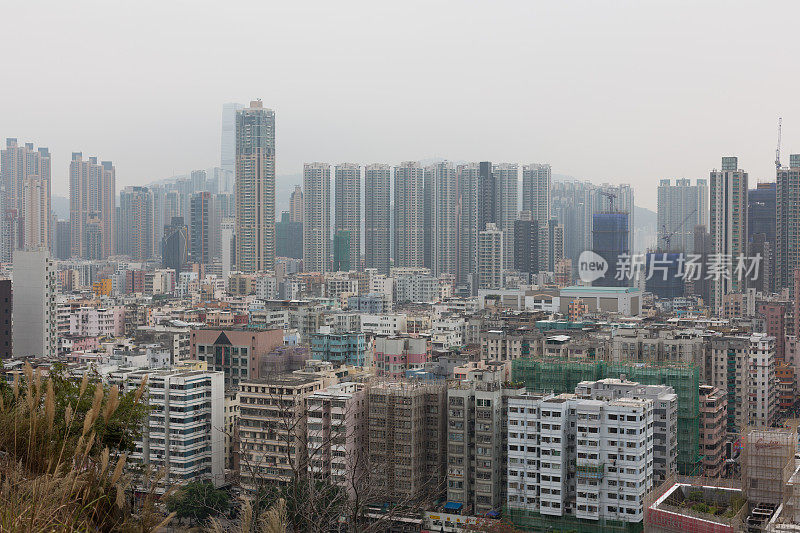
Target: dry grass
{"x":56,"y":473}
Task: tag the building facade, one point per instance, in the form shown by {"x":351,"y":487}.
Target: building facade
{"x":255,"y":188}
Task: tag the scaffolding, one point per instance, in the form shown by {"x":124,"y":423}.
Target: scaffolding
{"x":767,"y":465}
{"x":559,"y":375}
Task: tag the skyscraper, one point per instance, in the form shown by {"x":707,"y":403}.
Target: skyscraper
{"x":296,"y":205}
{"x":202,"y":212}
{"x":34,"y":315}
{"x":24,"y":197}
{"x":610,"y":241}
{"x":347,"y":213}
{"x":681,"y":207}
{"x":255,"y":188}
{"x":536,"y":179}
{"x":787,"y":235}
{"x":316,"y":217}
{"x":228,"y":142}
{"x":526,"y":244}
{"x":506,"y":178}
{"x":341,"y":251}
{"x":487,"y":192}
{"x":136,"y":221}
{"x":490,"y":258}
{"x":445,"y":219}
{"x":728,"y":218}
{"x":289,"y":237}
{"x":175,"y":245}
{"x":762,"y":225}
{"x":377,"y":206}
{"x":409,"y":219}
{"x":92,"y":199}
{"x":469,"y":206}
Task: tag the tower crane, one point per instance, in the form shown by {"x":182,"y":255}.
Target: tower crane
{"x":611,"y":197}
{"x":778,"y":149}
{"x":668,"y":234}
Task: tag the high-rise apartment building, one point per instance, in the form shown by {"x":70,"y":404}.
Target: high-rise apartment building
{"x":409,"y":218}
{"x":184,"y":434}
{"x":610,"y":241}
{"x":227,"y":159}
{"x":477,"y":418}
{"x":487,"y":193}
{"x":377,"y":215}
{"x":728,"y":219}
{"x":24,"y":198}
{"x":175,"y":245}
{"x":337,"y":435}
{"x":536,"y":180}
{"x":444,"y":219}
{"x":255,"y":188}
{"x":491,"y":258}
{"x":681,"y":207}
{"x":526,"y":244}
{"x":288,"y":237}
{"x":273,"y":428}
{"x":347,"y":212}
{"x":92,"y":204}
{"x":506,"y":178}
{"x":203,"y":220}
{"x":316,"y":217}
{"x":787,"y":235}
{"x":610,"y":444}
{"x":34,"y":315}
{"x":469,"y":202}
{"x":6,"y":313}
{"x":136,"y":223}
{"x":407,"y":440}
{"x":744,"y":367}
{"x":296,"y":205}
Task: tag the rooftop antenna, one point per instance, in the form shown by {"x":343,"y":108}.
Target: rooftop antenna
{"x":778,"y":149}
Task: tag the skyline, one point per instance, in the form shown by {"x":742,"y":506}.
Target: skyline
{"x":602,"y":93}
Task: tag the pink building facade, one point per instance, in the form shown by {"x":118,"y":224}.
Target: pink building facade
{"x":396,"y":355}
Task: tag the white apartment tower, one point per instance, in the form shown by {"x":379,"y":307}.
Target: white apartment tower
{"x":491,"y":258}
{"x":536,"y":179}
{"x":185,"y":433}
{"x":347,"y":212}
{"x":377,"y":216}
{"x":728,"y":224}
{"x":316,"y":217}
{"x":409,"y":217}
{"x":34,"y":315}
{"x":24,"y":197}
{"x":681,"y":207}
{"x":92,"y":206}
{"x":506,"y":179}
{"x":468,"y":202}
{"x":255,"y":188}
{"x":228,"y":139}
{"x":445,"y":219}
{"x":610,"y":444}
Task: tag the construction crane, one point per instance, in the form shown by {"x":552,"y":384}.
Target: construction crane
{"x":611,"y":197}
{"x":778,"y":149}
{"x":668,"y":234}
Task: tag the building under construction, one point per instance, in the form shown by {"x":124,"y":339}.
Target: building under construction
{"x":407,"y":446}
{"x":559,"y":375}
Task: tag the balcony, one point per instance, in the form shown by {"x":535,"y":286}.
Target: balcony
{"x":590,"y":470}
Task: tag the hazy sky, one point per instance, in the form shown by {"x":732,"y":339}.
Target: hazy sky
{"x":608,"y":91}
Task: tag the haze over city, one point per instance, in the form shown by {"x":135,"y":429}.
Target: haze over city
{"x":628,"y":92}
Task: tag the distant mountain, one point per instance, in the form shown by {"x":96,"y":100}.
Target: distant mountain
{"x":644,"y":216}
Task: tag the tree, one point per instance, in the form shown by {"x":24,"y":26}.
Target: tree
{"x":198,"y":501}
